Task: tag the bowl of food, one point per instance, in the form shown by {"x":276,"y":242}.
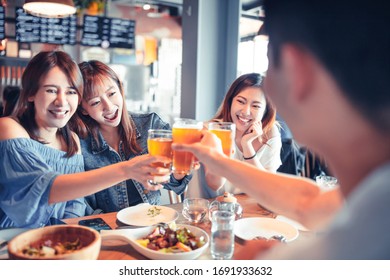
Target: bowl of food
{"x":58,"y":242}
{"x":160,"y":242}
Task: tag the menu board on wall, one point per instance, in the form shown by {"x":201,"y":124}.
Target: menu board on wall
{"x":32,"y":29}
{"x":2,"y":23}
{"x":108,"y":32}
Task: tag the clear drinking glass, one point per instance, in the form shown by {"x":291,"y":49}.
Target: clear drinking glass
{"x":222,"y":235}
{"x":326,"y":182}
{"x":159,"y":144}
{"x":195,"y":209}
{"x":185,"y":131}
{"x":225,"y":131}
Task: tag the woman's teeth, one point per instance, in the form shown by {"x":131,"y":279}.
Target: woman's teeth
{"x":111,"y":116}
{"x":245,"y":120}
{"x":59,"y":113}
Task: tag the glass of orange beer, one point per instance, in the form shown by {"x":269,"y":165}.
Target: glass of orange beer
{"x":225,"y":131}
{"x":185,"y":131}
{"x":159,"y":144}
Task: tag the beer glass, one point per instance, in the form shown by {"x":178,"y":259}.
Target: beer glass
{"x":159,"y":144}
{"x":225,"y":131}
{"x":185,"y":131}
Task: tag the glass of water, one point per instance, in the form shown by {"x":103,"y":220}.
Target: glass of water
{"x":195,"y":209}
{"x":222,"y":234}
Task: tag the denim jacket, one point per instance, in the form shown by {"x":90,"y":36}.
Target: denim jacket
{"x":115,"y":198}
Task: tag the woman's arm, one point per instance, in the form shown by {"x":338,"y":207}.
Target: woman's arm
{"x":267,"y":157}
{"x":71,"y":186}
{"x":295,"y":197}
{"x":213,"y":180}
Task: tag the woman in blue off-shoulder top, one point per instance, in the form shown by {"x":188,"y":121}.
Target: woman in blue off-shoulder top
{"x":41,"y":171}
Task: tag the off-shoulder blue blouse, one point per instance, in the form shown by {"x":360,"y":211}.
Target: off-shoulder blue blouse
{"x":27,"y":171}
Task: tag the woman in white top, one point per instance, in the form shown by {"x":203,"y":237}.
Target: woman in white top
{"x":258,"y":140}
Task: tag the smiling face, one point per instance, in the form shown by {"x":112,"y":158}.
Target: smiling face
{"x":106,"y":106}
{"x":55,"y":101}
{"x":248,"y":106}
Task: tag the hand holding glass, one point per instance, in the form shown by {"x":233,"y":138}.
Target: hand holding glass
{"x":225,"y":131}
{"x":159,"y":144}
{"x":185,"y":131}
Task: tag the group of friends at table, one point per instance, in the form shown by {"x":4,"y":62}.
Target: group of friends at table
{"x":70,"y":148}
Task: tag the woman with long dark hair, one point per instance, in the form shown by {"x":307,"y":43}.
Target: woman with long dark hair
{"x":41,"y":168}
{"x":257,"y":137}
{"x":109,"y":134}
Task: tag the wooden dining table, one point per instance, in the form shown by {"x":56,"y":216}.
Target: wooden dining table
{"x":121,"y":250}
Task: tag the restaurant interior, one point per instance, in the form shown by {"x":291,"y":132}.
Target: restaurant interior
{"x":172,"y":56}
{"x":163,"y":70}
{"x":159,"y":58}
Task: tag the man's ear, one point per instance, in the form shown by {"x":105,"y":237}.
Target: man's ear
{"x":299,"y":69}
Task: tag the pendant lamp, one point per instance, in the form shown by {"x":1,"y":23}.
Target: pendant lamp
{"x":50,"y":8}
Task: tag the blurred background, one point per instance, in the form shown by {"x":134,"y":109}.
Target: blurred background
{"x":175,"y":57}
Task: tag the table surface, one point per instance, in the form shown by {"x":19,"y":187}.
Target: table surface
{"x":121,"y":250}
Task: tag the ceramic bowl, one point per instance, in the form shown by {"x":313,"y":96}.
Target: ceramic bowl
{"x":89,"y":239}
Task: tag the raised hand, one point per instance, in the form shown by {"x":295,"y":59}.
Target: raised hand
{"x":253,"y":132}
{"x":210,"y":146}
{"x":141,"y":170}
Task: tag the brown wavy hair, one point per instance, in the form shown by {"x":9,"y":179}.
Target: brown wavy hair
{"x":32,"y":76}
{"x":94,"y":72}
{"x":243,"y":82}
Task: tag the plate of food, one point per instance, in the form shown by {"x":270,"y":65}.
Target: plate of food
{"x":57,"y":242}
{"x":255,"y":228}
{"x":144,"y":215}
{"x":163,"y":242}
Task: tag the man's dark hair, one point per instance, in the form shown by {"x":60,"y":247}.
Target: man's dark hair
{"x":349,"y":37}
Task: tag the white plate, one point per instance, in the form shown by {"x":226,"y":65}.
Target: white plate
{"x":250,"y":228}
{"x":294,"y":223}
{"x":139,"y":215}
{"x":132,"y":234}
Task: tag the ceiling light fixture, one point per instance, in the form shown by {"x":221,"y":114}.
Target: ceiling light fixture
{"x":146,"y":7}
{"x":50,"y":8}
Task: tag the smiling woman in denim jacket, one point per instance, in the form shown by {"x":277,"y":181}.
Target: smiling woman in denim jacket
{"x":109,"y":134}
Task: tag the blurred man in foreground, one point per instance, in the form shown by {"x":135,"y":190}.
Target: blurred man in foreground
{"x":329,"y":69}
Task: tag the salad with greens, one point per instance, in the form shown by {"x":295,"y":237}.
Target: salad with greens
{"x":168,"y":240}
{"x":49,"y":248}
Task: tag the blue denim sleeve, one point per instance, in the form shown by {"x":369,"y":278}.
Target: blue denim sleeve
{"x":178,"y":186}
